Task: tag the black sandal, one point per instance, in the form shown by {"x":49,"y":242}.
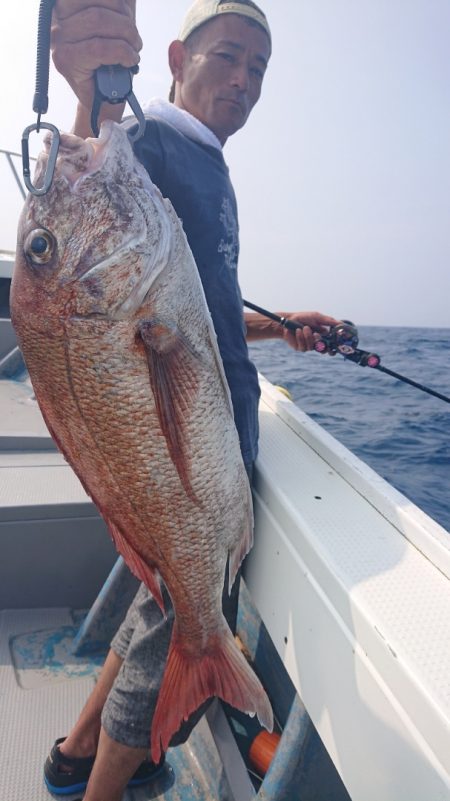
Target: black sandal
{"x":75,"y":779}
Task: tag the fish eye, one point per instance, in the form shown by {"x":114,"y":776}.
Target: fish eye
{"x":40,"y":246}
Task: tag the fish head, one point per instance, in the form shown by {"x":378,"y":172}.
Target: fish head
{"x":94,"y":244}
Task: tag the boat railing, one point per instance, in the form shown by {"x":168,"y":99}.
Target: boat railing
{"x":9,"y":155}
{"x":6,"y":253}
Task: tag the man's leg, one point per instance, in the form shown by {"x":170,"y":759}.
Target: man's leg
{"x":114,"y":766}
{"x":71,"y":760}
{"x":83,"y":738}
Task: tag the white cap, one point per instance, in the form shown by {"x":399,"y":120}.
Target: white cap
{"x":203,"y":10}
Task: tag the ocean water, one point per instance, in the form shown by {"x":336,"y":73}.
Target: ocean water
{"x":401,"y":432}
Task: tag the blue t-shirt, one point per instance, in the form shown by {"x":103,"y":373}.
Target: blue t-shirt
{"x":196,"y":180}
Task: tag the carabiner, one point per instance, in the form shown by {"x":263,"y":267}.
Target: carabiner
{"x":54,"y":147}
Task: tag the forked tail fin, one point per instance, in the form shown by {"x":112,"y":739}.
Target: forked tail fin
{"x":221,"y":671}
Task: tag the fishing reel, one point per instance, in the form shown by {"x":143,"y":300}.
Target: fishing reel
{"x":342,"y":338}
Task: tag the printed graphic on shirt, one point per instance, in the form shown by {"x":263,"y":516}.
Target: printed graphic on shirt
{"x":229,"y":245}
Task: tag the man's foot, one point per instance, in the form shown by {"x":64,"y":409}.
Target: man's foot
{"x":64,"y":775}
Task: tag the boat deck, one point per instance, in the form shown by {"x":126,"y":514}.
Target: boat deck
{"x":43,"y":688}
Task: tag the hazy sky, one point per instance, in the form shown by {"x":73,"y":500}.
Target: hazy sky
{"x":343,"y":170}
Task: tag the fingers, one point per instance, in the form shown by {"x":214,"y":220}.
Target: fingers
{"x":313,"y":325}
{"x":85,"y":36}
{"x":66,"y":8}
{"x":96,"y":23}
{"x":303,"y":339}
{"x":77,"y":61}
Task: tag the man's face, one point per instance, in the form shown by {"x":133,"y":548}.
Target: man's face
{"x":222,"y":72}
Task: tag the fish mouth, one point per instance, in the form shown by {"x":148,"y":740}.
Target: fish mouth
{"x":80,"y":158}
{"x":110,"y":138}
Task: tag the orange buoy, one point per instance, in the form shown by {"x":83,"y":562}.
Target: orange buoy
{"x":262,"y":751}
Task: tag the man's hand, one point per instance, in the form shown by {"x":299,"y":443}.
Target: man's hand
{"x":85,"y":36}
{"x":303,"y":339}
{"x":315,"y":324}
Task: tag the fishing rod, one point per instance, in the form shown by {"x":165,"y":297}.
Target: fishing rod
{"x":343,"y":339}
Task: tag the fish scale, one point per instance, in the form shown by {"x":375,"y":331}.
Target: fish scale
{"x":113,"y":324}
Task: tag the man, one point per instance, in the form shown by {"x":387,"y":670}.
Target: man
{"x":218,"y":65}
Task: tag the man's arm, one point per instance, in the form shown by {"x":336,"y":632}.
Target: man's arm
{"x":315,"y":324}
{"x":85,"y":36}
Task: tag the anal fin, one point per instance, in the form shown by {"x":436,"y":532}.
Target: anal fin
{"x":149,"y":575}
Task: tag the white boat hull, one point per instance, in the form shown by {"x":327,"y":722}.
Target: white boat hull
{"x":351,"y":580}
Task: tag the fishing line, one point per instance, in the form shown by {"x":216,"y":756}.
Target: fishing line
{"x":343,"y":339}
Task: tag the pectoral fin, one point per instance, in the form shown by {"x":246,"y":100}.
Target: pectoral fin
{"x":173,"y":371}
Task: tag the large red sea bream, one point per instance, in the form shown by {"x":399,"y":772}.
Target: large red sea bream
{"x":114,"y":328}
